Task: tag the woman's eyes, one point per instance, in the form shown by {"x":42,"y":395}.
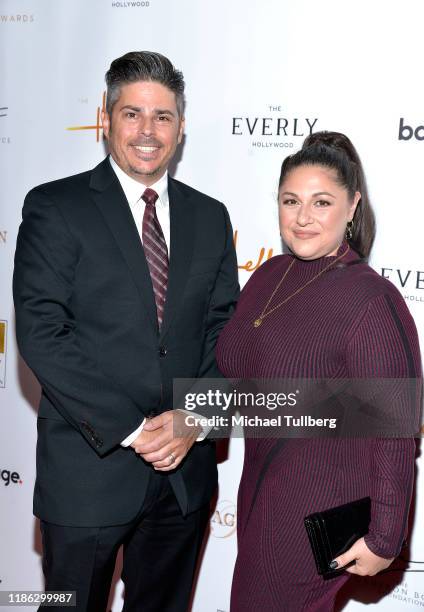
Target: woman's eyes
{"x":318,"y":203}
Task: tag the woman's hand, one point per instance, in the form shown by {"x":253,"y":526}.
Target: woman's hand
{"x":367,"y":563}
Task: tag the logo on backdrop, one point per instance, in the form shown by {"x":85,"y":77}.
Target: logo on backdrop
{"x":16,"y":18}
{"x":3,"y":342}
{"x":253,"y":264}
{"x":409,"y":282}
{"x":3,"y":237}
{"x":406,"y":595}
{"x":274,"y":129}
{"x":97,"y":126}
{"x":7,"y":477}
{"x":409,"y":131}
{"x":3,"y":113}
{"x":224,"y":519}
{"x":131,"y":4}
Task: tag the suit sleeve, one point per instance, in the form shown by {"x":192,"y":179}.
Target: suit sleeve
{"x":222,"y":303}
{"x":385,"y":345}
{"x":46,"y":259}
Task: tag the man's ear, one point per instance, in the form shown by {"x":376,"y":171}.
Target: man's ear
{"x":181,"y":129}
{"x":106,"y":123}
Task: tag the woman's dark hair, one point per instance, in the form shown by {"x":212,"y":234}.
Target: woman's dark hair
{"x":335,"y":151}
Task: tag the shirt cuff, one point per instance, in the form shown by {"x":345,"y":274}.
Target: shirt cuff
{"x":130,"y":439}
{"x":205,"y":430}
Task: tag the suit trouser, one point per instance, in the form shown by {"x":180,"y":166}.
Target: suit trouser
{"x":161,"y":548}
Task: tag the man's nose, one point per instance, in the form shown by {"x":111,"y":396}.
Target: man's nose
{"x":147,"y":126}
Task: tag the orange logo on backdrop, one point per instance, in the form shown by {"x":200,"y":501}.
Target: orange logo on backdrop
{"x":3,"y":330}
{"x":2,"y":337}
{"x":98,"y":126}
{"x":251,"y":266}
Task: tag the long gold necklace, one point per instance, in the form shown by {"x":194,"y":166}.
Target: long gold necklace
{"x":257,"y":322}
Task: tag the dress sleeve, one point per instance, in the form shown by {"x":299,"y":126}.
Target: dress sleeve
{"x":385,"y":345}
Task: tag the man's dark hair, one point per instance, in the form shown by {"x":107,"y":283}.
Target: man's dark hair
{"x":143,"y":66}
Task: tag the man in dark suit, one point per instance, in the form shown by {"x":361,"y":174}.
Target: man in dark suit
{"x":123,"y":279}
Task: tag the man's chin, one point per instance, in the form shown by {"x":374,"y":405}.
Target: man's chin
{"x":152,"y":174}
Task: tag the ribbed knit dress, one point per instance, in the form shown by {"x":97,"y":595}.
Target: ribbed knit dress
{"x":348,"y":323}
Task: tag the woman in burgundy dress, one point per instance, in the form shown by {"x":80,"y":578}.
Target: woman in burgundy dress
{"x":319,"y":312}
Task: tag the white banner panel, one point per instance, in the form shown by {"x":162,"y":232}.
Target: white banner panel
{"x":260,"y":77}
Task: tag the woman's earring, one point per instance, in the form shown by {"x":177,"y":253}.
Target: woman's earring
{"x":349,"y":228}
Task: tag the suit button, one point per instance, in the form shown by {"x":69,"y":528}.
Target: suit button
{"x":162,"y":351}
{"x":87,"y":427}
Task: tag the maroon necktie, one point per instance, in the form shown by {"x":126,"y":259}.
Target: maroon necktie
{"x":155,"y":250}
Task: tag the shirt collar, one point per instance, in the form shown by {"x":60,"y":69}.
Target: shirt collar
{"x":134,"y":189}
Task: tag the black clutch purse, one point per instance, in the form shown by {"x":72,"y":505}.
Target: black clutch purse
{"x":332,"y":532}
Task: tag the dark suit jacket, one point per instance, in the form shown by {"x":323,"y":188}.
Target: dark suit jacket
{"x":86,"y":325}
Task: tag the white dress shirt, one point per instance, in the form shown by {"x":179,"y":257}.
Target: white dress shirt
{"x":133,"y":191}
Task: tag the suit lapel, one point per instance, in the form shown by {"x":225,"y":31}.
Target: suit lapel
{"x":182,"y":213}
{"x":112,"y":203}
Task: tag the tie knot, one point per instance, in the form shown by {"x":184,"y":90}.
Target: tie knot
{"x":150,"y":196}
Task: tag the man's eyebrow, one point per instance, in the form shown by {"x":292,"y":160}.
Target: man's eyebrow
{"x":136,"y":109}
{"x":164,"y":111}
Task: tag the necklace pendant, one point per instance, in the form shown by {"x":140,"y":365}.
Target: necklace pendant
{"x":257,"y":322}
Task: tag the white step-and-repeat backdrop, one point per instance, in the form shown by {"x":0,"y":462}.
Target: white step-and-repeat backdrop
{"x":261,"y":75}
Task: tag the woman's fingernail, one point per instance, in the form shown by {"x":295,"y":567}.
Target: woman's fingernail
{"x":333,"y":565}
